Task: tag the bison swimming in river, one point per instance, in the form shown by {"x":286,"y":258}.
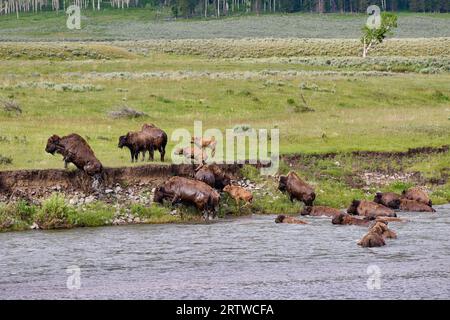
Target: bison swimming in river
{"x":415,"y":206}
{"x":297,"y":188}
{"x":285,"y":219}
{"x":376,"y":235}
{"x":388,"y":199}
{"x":369,"y":209}
{"x":417,"y":194}
{"x":76,"y":150}
{"x":319,"y":211}
{"x":346,"y":219}
{"x":198,"y":193}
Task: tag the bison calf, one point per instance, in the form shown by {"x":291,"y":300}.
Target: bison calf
{"x":239,"y":193}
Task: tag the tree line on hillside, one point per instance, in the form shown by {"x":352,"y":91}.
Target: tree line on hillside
{"x":218,"y":8}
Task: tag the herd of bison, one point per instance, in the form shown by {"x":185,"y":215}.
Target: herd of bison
{"x":204,"y":190}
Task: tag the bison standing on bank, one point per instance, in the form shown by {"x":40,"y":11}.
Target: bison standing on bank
{"x":150,"y":138}
{"x":76,"y":150}
{"x":297,"y":188}
{"x":158,"y":139}
{"x":198,"y":193}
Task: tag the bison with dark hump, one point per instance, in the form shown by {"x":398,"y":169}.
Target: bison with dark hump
{"x":297,"y":188}
{"x":417,"y":194}
{"x":198,"y":193}
{"x":388,"y":199}
{"x":369,"y":209}
{"x":159,"y":139}
{"x":150,"y":138}
{"x":136,"y":142}
{"x":213,"y":175}
{"x":76,"y":150}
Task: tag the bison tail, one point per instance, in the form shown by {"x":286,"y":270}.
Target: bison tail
{"x":164,"y":141}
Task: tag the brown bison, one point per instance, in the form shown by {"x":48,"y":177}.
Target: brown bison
{"x":318,"y":211}
{"x":238,"y":193}
{"x":346,"y":219}
{"x":150,"y":138}
{"x":136,"y":142}
{"x":417,"y":194}
{"x":221,"y":178}
{"x":205,"y":174}
{"x":198,"y":193}
{"x":76,"y":150}
{"x":388,"y":199}
{"x":158,"y":140}
{"x":415,"y":206}
{"x":297,"y":188}
{"x":381,"y":228}
{"x":284,"y":219}
{"x":376,"y":235}
{"x":369,"y":209}
{"x":372,"y":239}
{"x":212,"y":175}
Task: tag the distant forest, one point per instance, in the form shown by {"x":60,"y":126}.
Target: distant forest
{"x":207,"y":8}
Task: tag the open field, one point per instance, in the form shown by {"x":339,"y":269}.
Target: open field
{"x":354,"y":109}
{"x":139,"y":24}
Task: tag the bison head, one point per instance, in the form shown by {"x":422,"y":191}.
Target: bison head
{"x":353,"y":209}
{"x":309,"y":198}
{"x":378,"y":197}
{"x":123,"y":141}
{"x":282,"y":183}
{"x":52,"y":144}
{"x":280,"y":218}
{"x":339,"y":218}
{"x":159,"y":195}
{"x":306,"y":211}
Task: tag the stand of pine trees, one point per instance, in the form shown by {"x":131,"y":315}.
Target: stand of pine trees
{"x":207,"y":8}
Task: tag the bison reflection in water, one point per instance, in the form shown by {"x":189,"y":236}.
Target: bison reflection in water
{"x":198,"y":193}
{"x":76,"y":150}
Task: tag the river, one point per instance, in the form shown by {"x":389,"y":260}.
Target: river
{"x":243,"y":258}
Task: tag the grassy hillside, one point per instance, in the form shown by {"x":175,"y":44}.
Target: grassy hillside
{"x":138,"y":24}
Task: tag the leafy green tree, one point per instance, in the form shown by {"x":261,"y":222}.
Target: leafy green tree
{"x":373,"y":36}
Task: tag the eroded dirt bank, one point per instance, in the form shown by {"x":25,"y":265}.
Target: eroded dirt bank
{"x":32,"y":184}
